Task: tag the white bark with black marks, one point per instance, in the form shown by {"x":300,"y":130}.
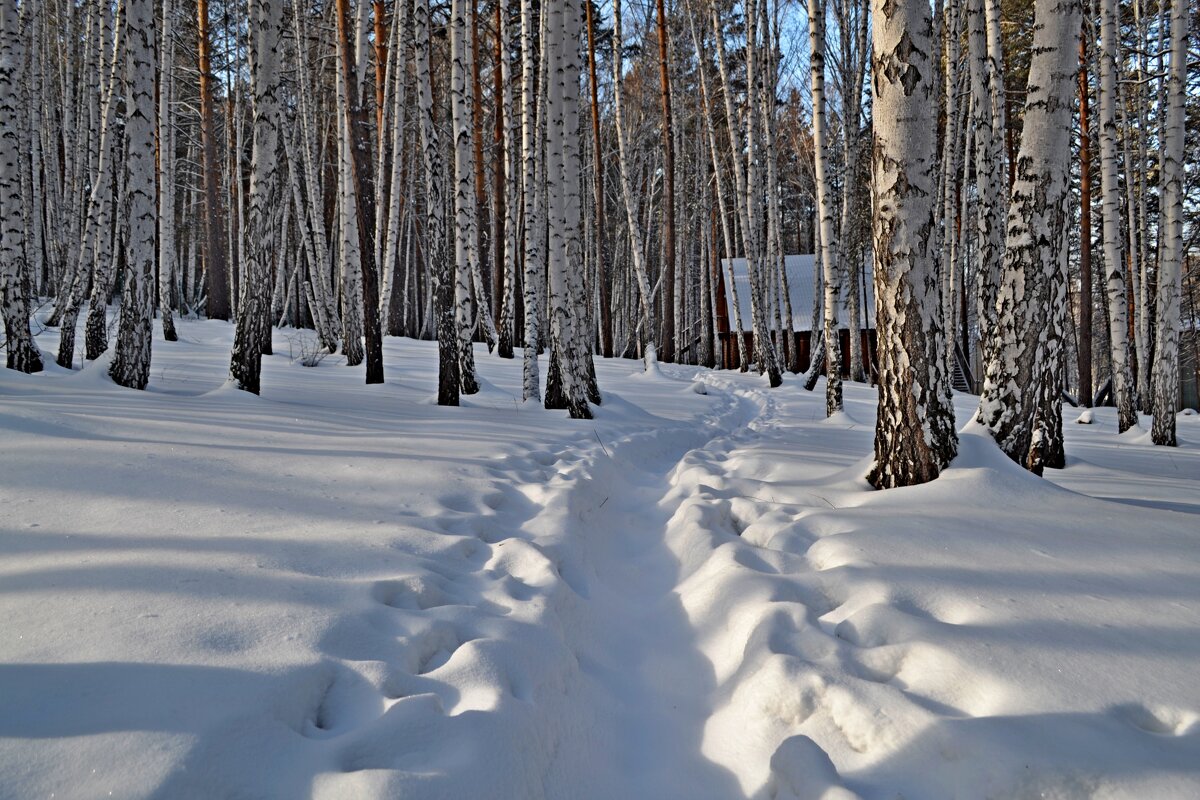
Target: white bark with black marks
{"x":253,"y":320}
{"x":1023,"y":339}
{"x":130,"y":365}
{"x":830,"y":265}
{"x":1166,"y":354}
{"x":23,"y":354}
{"x":1110,"y":192}
{"x":441,"y":268}
{"x":914,"y":434}
{"x":466,"y":251}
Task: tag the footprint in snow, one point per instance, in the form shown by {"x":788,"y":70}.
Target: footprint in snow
{"x":1159,"y":719}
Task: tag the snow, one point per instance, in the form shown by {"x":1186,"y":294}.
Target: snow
{"x":342,"y":591}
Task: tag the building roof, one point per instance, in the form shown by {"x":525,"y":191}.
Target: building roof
{"x":800,"y":288}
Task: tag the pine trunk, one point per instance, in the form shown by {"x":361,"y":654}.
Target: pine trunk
{"x":357,"y":138}
{"x":216,"y":267}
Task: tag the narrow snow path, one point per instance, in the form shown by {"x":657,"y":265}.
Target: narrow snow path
{"x":643,"y":683}
{"x":569,"y":606}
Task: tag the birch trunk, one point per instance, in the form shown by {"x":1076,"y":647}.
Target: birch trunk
{"x":1023,"y":339}
{"x":23,"y":354}
{"x":397,"y":118}
{"x":531,"y":148}
{"x":854,"y":57}
{"x":466,"y":251}
{"x":512,"y":185}
{"x":987,"y":88}
{"x":325,"y":312}
{"x":253,"y":317}
{"x":565,"y":252}
{"x":764,"y":351}
{"x":440,"y":267}
{"x":948,"y":196}
{"x":1166,"y":354}
{"x":95,"y":239}
{"x":1114,"y":259}
{"x":360,"y":184}
{"x":670,"y":311}
{"x":350,"y":250}
{"x":166,"y":173}
{"x":914,"y":435}
{"x":829,"y":257}
{"x":637,"y":246}
{"x":131,"y":360}
{"x":108,"y":238}
{"x":719,"y":184}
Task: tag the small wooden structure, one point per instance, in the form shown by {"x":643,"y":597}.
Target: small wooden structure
{"x":801,"y":287}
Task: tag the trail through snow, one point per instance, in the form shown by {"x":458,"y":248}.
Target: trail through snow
{"x":339,"y":591}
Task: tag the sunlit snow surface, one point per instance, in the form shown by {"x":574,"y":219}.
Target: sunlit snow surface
{"x":342,"y":591}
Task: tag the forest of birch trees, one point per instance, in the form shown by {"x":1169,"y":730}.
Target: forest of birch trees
{"x":1016,"y":180}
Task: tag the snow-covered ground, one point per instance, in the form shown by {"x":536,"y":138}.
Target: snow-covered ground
{"x":342,"y":591}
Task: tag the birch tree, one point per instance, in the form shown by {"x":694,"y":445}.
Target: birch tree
{"x":109,"y":241}
{"x":130,"y":365}
{"x":1166,"y":354}
{"x":509,"y":41}
{"x":1118,"y":309}
{"x":670,"y":308}
{"x":398,"y":118}
{"x":253,"y":322}
{"x":166,"y":172}
{"x":23,"y":353}
{"x":825,"y":209}
{"x":765,"y":353}
{"x":986,"y":76}
{"x":1024,"y":339}
{"x":566,"y":379}
{"x":531,"y":148}
{"x":358,"y":163}
{"x":441,"y":268}
{"x":914,"y":434}
{"x":466,"y":242}
{"x":637,"y":245}
{"x":302,"y":159}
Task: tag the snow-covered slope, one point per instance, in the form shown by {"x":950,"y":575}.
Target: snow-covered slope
{"x":345,"y":591}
